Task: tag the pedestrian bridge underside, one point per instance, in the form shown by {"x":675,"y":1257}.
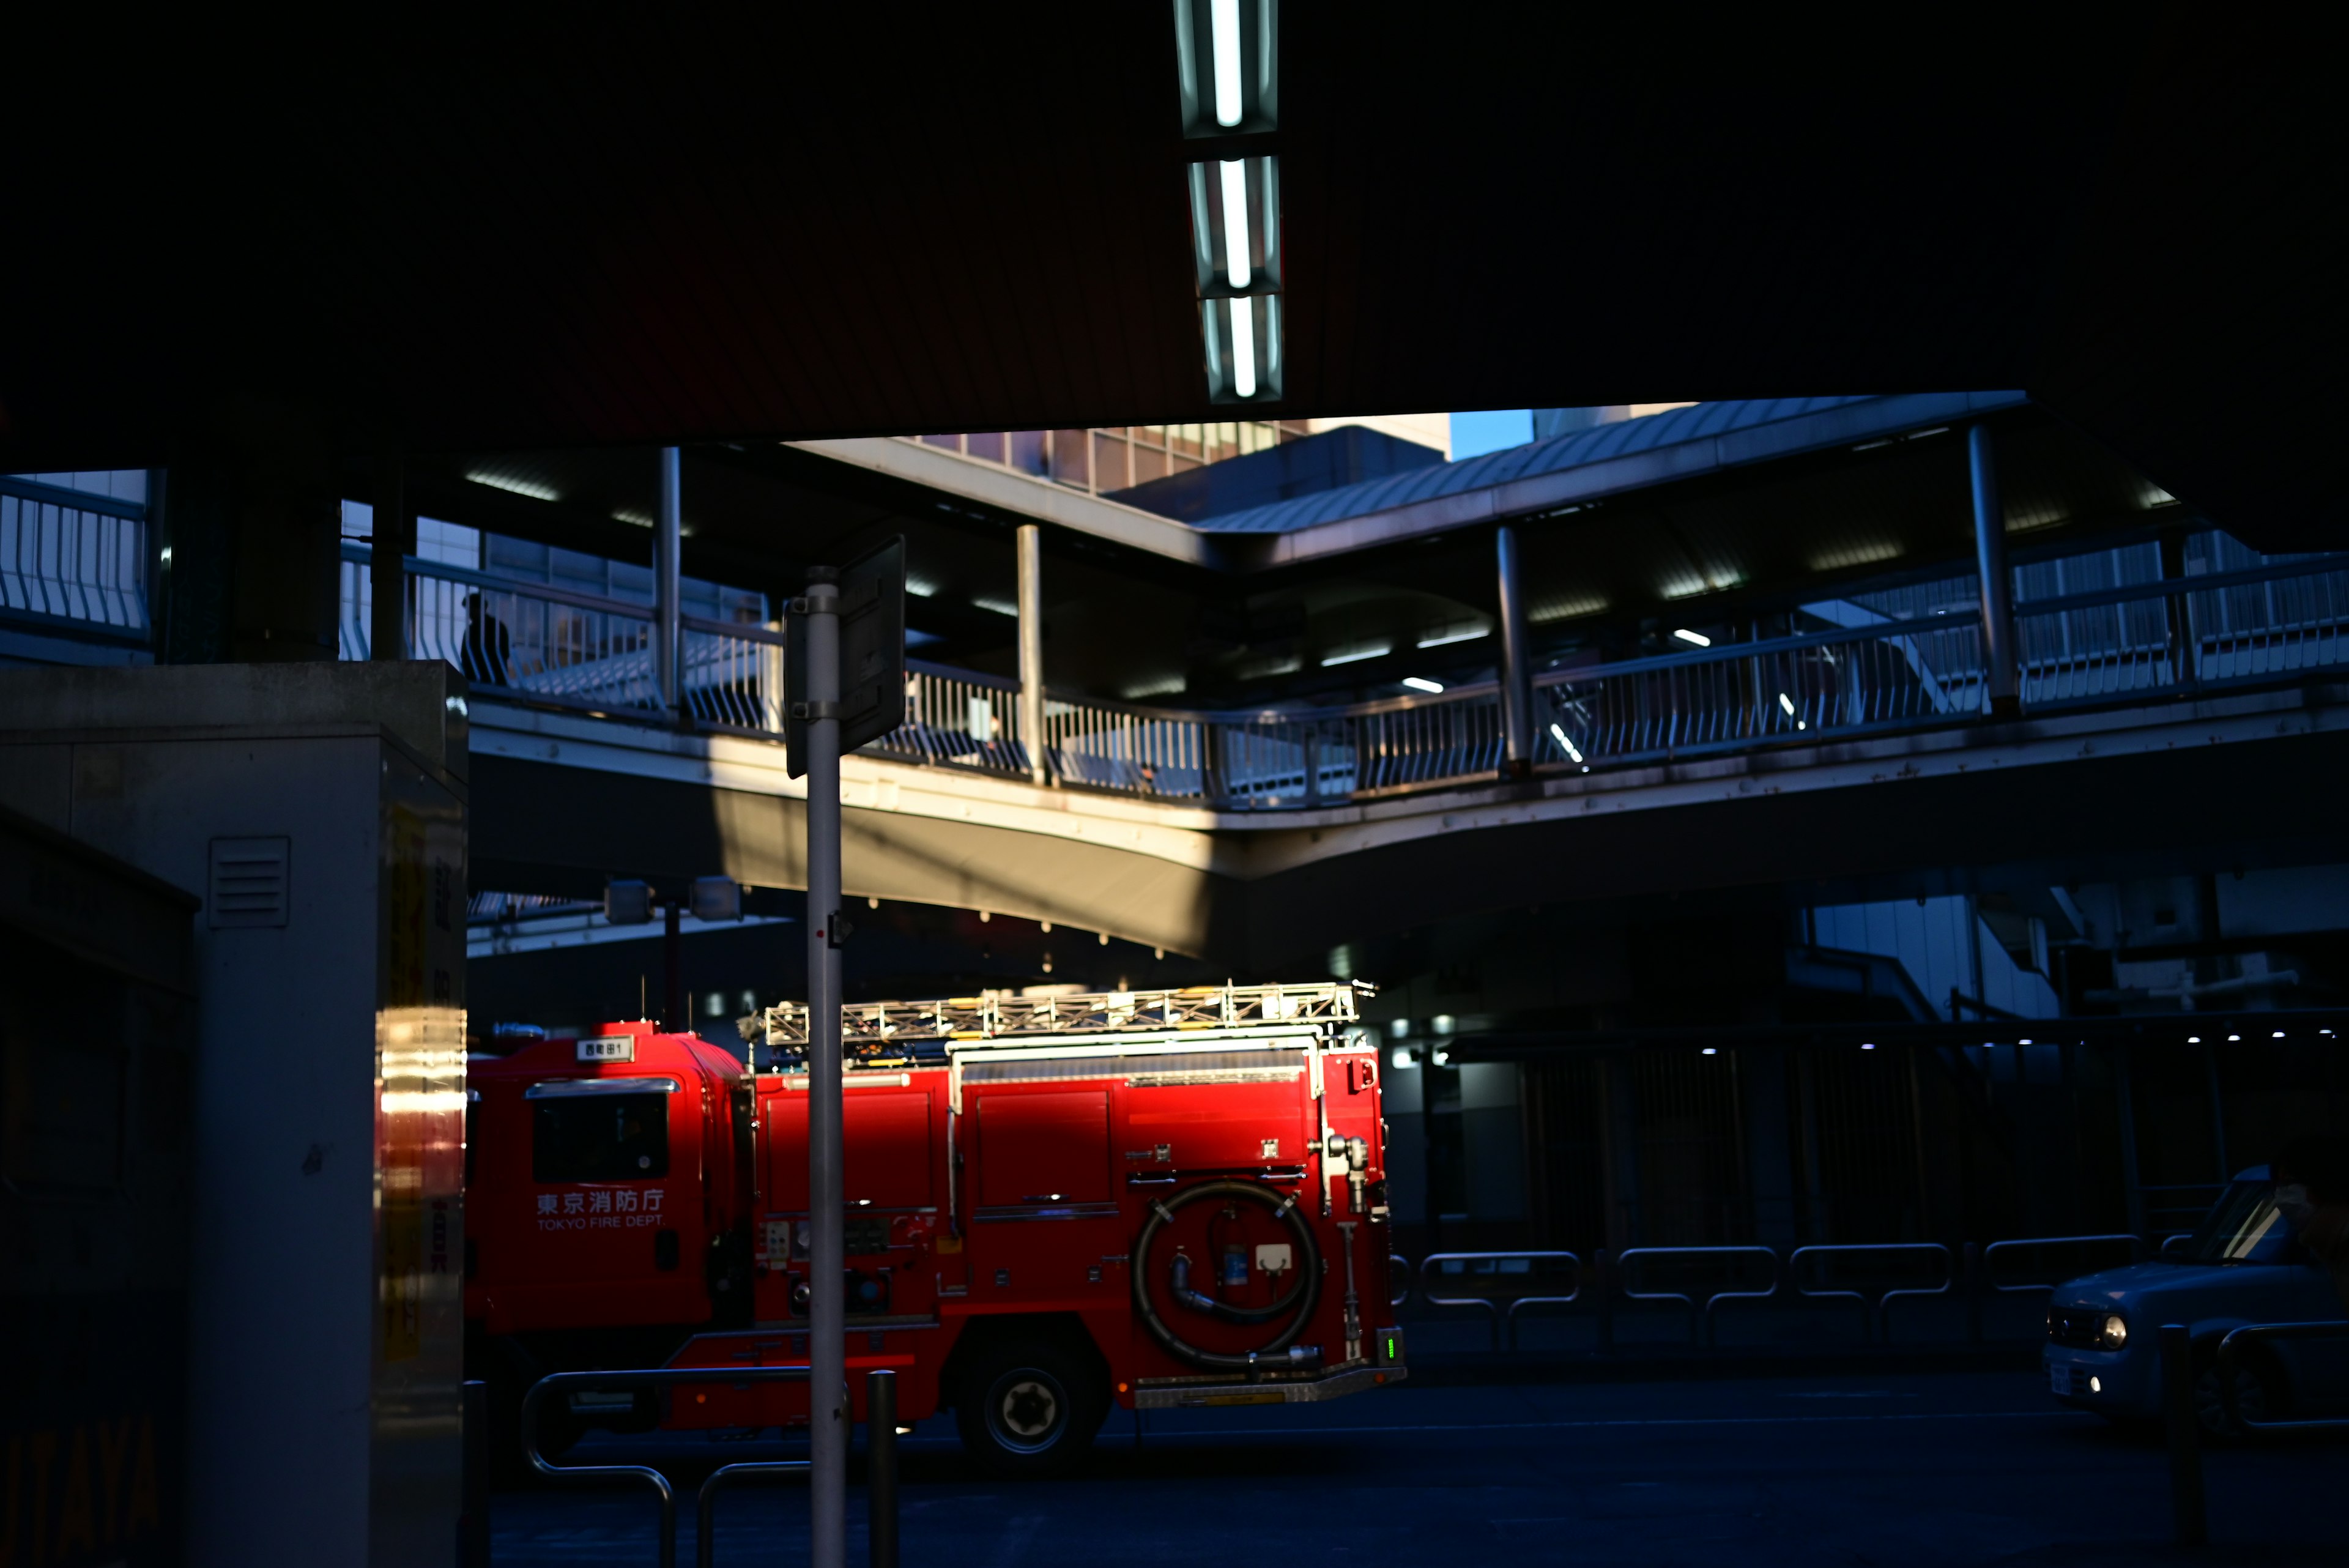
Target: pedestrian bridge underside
{"x":564,"y":800}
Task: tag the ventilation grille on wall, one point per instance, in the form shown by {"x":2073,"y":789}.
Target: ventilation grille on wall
{"x":249,"y":881}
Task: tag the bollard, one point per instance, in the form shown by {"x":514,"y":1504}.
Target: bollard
{"x":881,"y":1467}
{"x":473,"y":1515}
{"x":2185,"y":1448}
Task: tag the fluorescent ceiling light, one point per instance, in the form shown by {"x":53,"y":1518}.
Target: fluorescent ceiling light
{"x":632,"y":517}
{"x":517,"y":486}
{"x":1235,"y":229}
{"x":1565,"y":744}
{"x":999,"y":606}
{"x":1437,"y":639}
{"x":1685,"y":635}
{"x":1224,"y":18}
{"x":1243,"y":349}
{"x":1417,"y":685}
{"x":1355,"y":655}
{"x":1787,"y":703}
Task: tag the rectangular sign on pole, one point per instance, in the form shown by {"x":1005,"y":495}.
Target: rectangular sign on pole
{"x":872,"y":701}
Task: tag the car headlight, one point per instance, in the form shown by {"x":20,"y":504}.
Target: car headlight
{"x":2113,"y":1332}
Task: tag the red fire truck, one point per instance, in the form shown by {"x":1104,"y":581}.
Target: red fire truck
{"x":1150,"y":1198}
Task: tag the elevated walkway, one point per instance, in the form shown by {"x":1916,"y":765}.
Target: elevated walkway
{"x":563,"y":800}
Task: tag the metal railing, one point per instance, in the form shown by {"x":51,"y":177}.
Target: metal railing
{"x":656,"y":1377}
{"x":2229,"y":1357}
{"x":881,"y":1413}
{"x":72,"y":559}
{"x":1685,"y":1261}
{"x":2124,"y":1249}
{"x":1492,"y":1280}
{"x":1846,"y":1274}
{"x":1870,"y":1276}
{"x":2276,"y":621}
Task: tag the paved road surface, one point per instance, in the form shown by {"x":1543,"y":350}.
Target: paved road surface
{"x":1915,"y":1470}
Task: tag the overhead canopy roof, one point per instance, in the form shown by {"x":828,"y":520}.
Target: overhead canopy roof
{"x":1727,"y":510}
{"x":630,"y":229}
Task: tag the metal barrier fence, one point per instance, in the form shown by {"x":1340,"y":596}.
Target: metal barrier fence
{"x":2189,"y":1501}
{"x":1490,"y":1280}
{"x":1871,"y":1275}
{"x":2081,"y":1259}
{"x":2240,"y":1341}
{"x":1850,"y":1274}
{"x":881,"y":1407}
{"x":1692,"y":1260}
{"x":2271,"y":622}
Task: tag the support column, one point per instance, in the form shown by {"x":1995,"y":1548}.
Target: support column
{"x":2185,"y":663}
{"x":1516,"y":677}
{"x":666,"y":640}
{"x":1997,"y":581}
{"x":395,"y":541}
{"x":1031,"y":648}
{"x":254,"y":528}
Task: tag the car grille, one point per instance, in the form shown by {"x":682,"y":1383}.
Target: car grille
{"x":2075,"y":1326}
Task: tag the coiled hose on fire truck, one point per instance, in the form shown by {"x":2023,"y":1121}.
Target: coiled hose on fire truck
{"x":1297,"y":1305}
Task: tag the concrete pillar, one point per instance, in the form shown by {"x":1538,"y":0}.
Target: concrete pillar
{"x":1517,"y":676}
{"x":1769,"y":1155}
{"x":1492,"y":1144}
{"x":395,"y":541}
{"x":253,"y":523}
{"x":1620,"y":1136}
{"x":1997,"y":579}
{"x":1031,"y":648}
{"x":667,"y":639}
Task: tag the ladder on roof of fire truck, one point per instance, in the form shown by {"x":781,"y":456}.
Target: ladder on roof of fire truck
{"x":866,"y":1025}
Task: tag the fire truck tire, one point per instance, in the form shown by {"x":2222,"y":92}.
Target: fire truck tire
{"x":1030,"y":1406}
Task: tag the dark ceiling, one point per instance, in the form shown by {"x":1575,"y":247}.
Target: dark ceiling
{"x":631,"y":228}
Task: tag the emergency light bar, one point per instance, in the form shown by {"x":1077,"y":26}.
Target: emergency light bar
{"x":867,"y":1027}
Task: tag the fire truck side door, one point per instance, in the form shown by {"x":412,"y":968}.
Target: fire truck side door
{"x":886,"y":1139}
{"x":1043,"y":1147}
{"x":615,"y":1177}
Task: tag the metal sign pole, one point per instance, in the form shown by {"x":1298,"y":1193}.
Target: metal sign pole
{"x":827,"y":1302}
{"x":845,"y":673}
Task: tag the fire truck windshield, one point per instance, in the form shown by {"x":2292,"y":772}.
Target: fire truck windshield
{"x":600,"y":1137}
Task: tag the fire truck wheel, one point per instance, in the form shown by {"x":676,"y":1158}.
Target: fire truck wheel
{"x":1030,"y":1407}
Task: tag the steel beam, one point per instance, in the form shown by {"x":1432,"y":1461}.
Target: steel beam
{"x":1997,"y":581}
{"x":1031,"y":648}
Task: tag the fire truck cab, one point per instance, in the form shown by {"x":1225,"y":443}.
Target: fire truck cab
{"x":1054,"y":1205}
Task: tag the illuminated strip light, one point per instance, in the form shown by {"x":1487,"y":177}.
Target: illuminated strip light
{"x":1697,"y":638}
{"x":1560,"y":735}
{"x":1421,"y":683}
{"x":1224,"y":21}
{"x":517,"y":486}
{"x":1356,"y":655}
{"x":1236,"y":226}
{"x":1244,"y":352}
{"x":1442,"y":637}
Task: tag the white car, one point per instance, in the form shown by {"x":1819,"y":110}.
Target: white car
{"x":2241,"y":1266}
